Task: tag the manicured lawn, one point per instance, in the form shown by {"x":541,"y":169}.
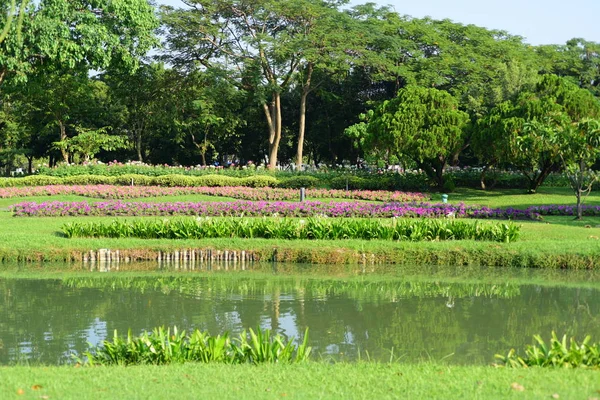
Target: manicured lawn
{"x":317,"y":380}
{"x":553,"y":236}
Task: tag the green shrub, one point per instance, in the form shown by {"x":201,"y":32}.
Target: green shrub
{"x":217,"y":180}
{"x":88,"y":180}
{"x":136,"y":179}
{"x":301,"y":181}
{"x":173,"y":180}
{"x":165,"y":347}
{"x":38,"y":180}
{"x":259,"y":181}
{"x":348,"y":182}
{"x":557,"y":353}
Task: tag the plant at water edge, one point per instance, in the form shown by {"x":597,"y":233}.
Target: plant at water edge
{"x":557,"y":353}
{"x":163,"y":346}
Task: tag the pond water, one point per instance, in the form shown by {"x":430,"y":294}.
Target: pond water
{"x":461,"y":316}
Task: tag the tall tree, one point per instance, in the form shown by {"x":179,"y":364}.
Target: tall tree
{"x":507,"y":134}
{"x":422,"y":124}
{"x":77,"y":33}
{"x":262,"y":44}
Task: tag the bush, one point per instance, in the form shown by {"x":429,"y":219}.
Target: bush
{"x":173,"y":180}
{"x":137,"y":179}
{"x":88,"y":180}
{"x":37,"y":180}
{"x":217,"y":180}
{"x":301,"y":181}
{"x":259,"y":181}
{"x":348,"y":182}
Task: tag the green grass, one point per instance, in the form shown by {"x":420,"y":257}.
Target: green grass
{"x":317,"y":380}
{"x":552,"y":242}
{"x":517,"y":198}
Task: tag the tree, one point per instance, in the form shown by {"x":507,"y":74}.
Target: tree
{"x":422,"y":124}
{"x":260,"y":44}
{"x":578,"y":146}
{"x":90,"y":142}
{"x":75,"y":34}
{"x":516,"y":131}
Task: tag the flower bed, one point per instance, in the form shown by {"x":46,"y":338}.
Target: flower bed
{"x":264,"y":208}
{"x":244,"y":193}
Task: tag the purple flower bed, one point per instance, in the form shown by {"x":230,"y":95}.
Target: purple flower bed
{"x":243,"y":193}
{"x":264,"y":208}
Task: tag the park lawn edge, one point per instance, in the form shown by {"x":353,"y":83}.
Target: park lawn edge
{"x":519,"y":254}
{"x":311,"y":380}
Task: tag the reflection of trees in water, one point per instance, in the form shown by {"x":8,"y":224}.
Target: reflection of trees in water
{"x":413,"y":317}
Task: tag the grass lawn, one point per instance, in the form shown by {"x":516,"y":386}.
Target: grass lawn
{"x":551,"y":237}
{"x":314,"y":380}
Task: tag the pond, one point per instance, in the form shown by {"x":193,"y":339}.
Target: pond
{"x":459,"y":315}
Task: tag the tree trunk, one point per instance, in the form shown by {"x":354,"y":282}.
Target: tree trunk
{"x":138,"y":146}
{"x":537,"y":181}
{"x":273,"y":115}
{"x":63,"y":137}
{"x":302,"y":123}
{"x":579,"y":205}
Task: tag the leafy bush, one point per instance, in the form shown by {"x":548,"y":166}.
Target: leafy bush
{"x":218,"y":180}
{"x":259,"y":181}
{"x":165,"y":347}
{"x":557,"y":353}
{"x":88,"y":180}
{"x":301,"y":181}
{"x":290,"y":229}
{"x":136,"y":179}
{"x":349,"y":183}
{"x":173,"y":180}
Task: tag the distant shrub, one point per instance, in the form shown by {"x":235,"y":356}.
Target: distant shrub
{"x":88,"y":180}
{"x":259,"y":181}
{"x":135,"y":179}
{"x":300,"y":181}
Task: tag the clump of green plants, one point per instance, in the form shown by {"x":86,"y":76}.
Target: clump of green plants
{"x":290,"y":229}
{"x":557,"y":353}
{"x":163,"y":346}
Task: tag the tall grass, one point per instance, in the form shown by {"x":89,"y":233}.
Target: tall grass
{"x":163,"y":346}
{"x":307,"y":229}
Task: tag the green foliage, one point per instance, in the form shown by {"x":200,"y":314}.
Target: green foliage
{"x":421,"y":124}
{"x":300,"y":181}
{"x":520,"y":131}
{"x":292,"y":229}
{"x":257,"y":181}
{"x":135,"y":179}
{"x":162,"y":346}
{"x":87,"y":180}
{"x":557,"y":353}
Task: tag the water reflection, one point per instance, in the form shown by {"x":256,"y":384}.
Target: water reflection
{"x":46,"y":320}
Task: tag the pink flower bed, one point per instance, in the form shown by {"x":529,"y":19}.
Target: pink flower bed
{"x":243,"y":193}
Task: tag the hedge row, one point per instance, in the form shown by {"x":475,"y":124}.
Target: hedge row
{"x":386,"y":181}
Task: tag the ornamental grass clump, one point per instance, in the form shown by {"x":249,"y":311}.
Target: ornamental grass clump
{"x":557,"y":353}
{"x":163,"y":346}
{"x":291,"y":229}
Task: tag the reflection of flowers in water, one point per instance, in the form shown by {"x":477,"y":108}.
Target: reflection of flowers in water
{"x":450,"y":302}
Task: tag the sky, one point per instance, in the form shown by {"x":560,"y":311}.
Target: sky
{"x":538,"y":21}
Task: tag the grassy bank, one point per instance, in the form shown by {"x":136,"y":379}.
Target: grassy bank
{"x":555,"y":242}
{"x":307,"y":381}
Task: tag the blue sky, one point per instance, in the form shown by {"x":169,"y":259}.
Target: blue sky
{"x":538,"y":21}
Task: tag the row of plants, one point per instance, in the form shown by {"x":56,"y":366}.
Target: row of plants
{"x":291,"y":229}
{"x":556,"y":353}
{"x":337,"y":179}
{"x":163,"y":346}
{"x":283,"y":209}
{"x":242,"y":193}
